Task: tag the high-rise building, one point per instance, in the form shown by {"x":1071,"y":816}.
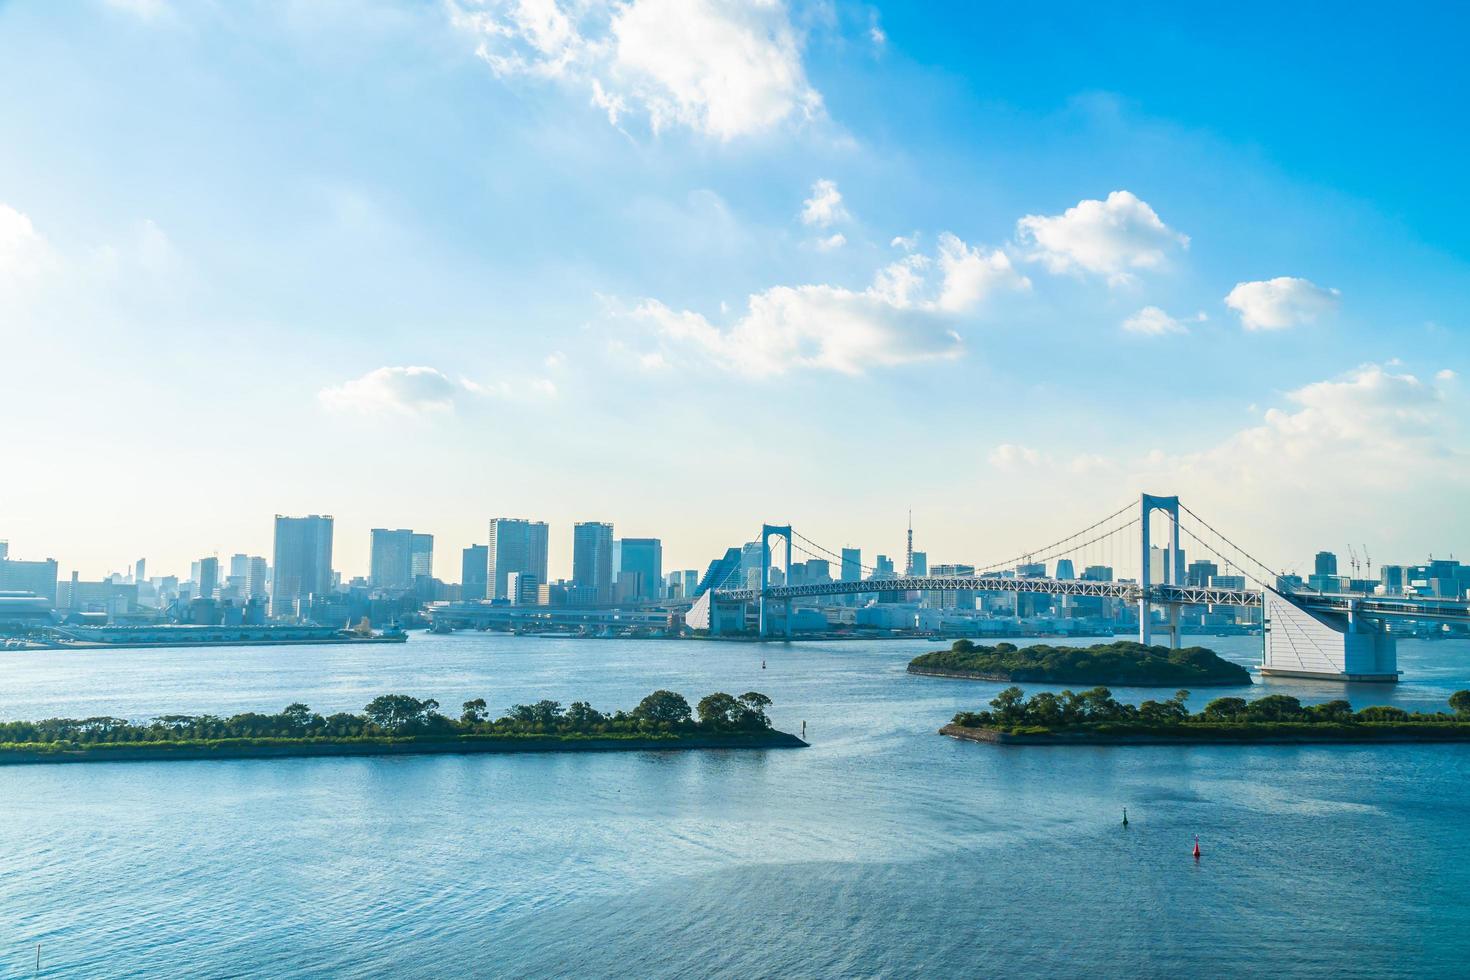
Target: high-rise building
{"x":951,"y":600}
{"x":421,"y":556}
{"x":592,"y":562}
{"x":206,"y":583}
{"x":919,"y":563}
{"x":852,"y":565}
{"x":1066,"y":571}
{"x":1157,"y":563}
{"x":1200,"y":572}
{"x":29,"y":576}
{"x":1391,"y":578}
{"x":691,"y":582}
{"x":643,"y":557}
{"x":1097,"y":573}
{"x":819,"y":571}
{"x":391,"y":563}
{"x":516,"y":545}
{"x":474,"y":567}
{"x":140,"y":571}
{"x":302,"y":564}
{"x":1325,"y":564}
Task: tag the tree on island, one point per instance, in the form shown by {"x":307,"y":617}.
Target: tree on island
{"x":475,"y":712}
{"x":399,"y":713}
{"x":663,"y":707}
{"x":1460,"y":703}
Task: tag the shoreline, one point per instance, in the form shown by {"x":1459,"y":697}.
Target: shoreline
{"x":245,"y":748}
{"x":1426,"y":733}
{"x":960,"y":675}
{"x":194,"y":644}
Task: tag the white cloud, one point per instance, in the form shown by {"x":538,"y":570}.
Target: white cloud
{"x":971,"y":274}
{"x":1151,"y":321}
{"x":720,"y":67}
{"x":393,"y":390}
{"x":555,"y":360}
{"x":905,"y":315}
{"x":1010,"y":457}
{"x":907,"y":243}
{"x":423,"y":391}
{"x":824,"y":207}
{"x":1111,"y":238}
{"x":1275,"y":304}
{"x":831,"y":242}
{"x":24,"y":254}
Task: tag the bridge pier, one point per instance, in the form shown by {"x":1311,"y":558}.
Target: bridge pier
{"x":767,"y":532}
{"x":1327,"y":646}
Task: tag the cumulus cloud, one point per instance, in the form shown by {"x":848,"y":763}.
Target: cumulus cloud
{"x":1275,"y":304}
{"x":1111,"y":238}
{"x":24,"y":254}
{"x":1010,"y":457}
{"x":393,"y":390}
{"x":825,"y":206}
{"x":831,"y":242}
{"x":907,"y":314}
{"x":419,"y":391}
{"x":720,"y":67}
{"x":1151,"y":321}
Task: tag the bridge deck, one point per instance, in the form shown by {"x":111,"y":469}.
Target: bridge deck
{"x":1391,"y":607}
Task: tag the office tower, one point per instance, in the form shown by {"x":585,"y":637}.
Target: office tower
{"x":963,"y":599}
{"x":207,"y":581}
{"x":883,"y":567}
{"x":1065,"y":569}
{"x":474,"y":567}
{"x":819,"y":571}
{"x":592,"y":562}
{"x":1097,"y":573}
{"x":240,"y":567}
{"x":691,"y":582}
{"x":516,"y":545}
{"x":29,"y":576}
{"x":919,"y":563}
{"x":1200,"y":572}
{"x":1325,"y":564}
{"x":421,"y":556}
{"x":391,"y":564}
{"x":523,"y":589}
{"x":302,"y":564}
{"x":140,"y":571}
{"x":1157,"y":563}
{"x":852,"y":565}
{"x":257,"y":578}
{"x":1391,"y":578}
{"x":643,"y":557}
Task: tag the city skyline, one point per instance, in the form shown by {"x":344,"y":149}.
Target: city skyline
{"x":866,"y":275}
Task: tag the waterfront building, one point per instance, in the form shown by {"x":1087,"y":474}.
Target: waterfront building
{"x":592,"y":562}
{"x":302,"y":562}
{"x":523,"y":589}
{"x":474,"y":569}
{"x":950,"y":600}
{"x":1324,"y":564}
{"x":421,"y":556}
{"x":1097,"y":573}
{"x":206,"y":583}
{"x":1391,"y":579}
{"x":643,"y":557}
{"x":390,"y":566}
{"x":691,"y":582}
{"x":723,"y":572}
{"x":516,"y":545}
{"x":38,"y":577}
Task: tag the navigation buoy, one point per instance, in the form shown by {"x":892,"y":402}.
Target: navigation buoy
{"x":1196,"y":847}
{"x":763,"y":665}
{"x":1125,"y":816}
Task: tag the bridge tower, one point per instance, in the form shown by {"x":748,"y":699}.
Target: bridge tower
{"x":769,"y":531}
{"x":1170,"y":506}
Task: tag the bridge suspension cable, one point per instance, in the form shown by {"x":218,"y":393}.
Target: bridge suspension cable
{"x":1270,"y":573}
{"x":1091,"y":527}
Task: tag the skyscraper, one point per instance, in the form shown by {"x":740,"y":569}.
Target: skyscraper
{"x":852,"y":565}
{"x":1065,"y":569}
{"x":592,"y":562}
{"x":644,"y":558}
{"x":391,"y":564}
{"x":1325,"y":563}
{"x":421,"y":556}
{"x":303,"y":561}
{"x":516,"y":545}
{"x":208,"y":579}
{"x":474,"y":565}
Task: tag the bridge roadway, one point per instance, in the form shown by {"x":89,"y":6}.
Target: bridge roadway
{"x":1389,"y":607}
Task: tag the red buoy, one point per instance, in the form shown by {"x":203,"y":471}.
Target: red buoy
{"x":1196,"y":847}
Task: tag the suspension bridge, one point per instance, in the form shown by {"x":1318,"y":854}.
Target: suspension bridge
{"x":1307,"y":633}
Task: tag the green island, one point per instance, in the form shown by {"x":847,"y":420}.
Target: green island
{"x":396,"y":724}
{"x":1123,"y":664}
{"x":1095,"y":718}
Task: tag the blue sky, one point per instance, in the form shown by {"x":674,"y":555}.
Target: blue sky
{"x":690,"y":265}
